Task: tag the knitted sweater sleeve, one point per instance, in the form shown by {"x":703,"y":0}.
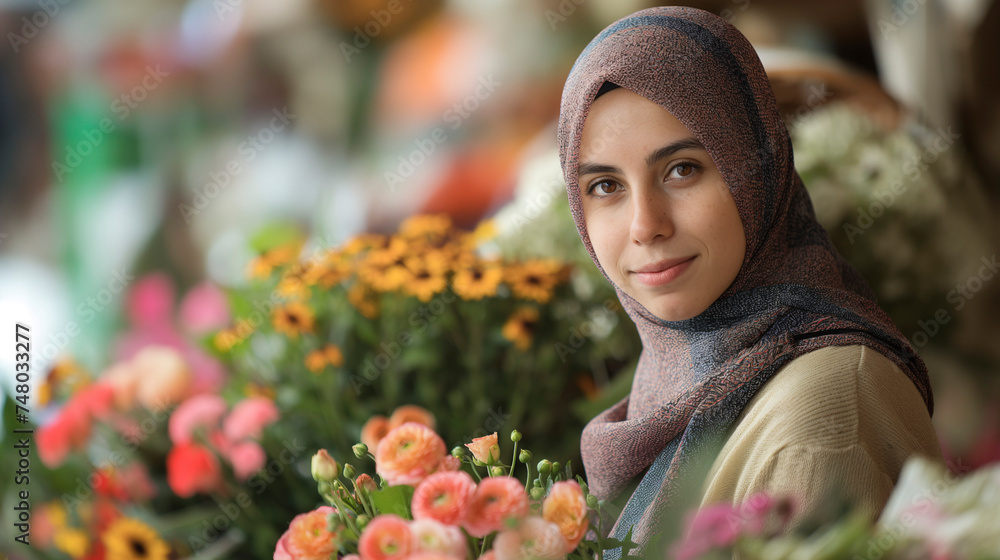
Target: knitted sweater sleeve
{"x":832,"y":428}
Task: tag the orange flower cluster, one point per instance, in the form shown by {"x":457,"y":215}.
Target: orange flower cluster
{"x":448,"y":506}
{"x":425,"y":257}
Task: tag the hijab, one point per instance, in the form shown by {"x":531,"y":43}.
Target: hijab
{"x":793,"y":293}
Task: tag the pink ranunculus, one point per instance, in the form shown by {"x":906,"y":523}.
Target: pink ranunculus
{"x":533,"y":538}
{"x":495,"y":501}
{"x":387,"y":537}
{"x":488,"y":555}
{"x":192,"y":468}
{"x":432,"y":536}
{"x":712,"y":527}
{"x":247,"y":457}
{"x":444,"y":497}
{"x":308,"y":537}
{"x":249,"y":417}
{"x":151,"y":300}
{"x":409,"y":454}
{"x":204,"y":308}
{"x":198,"y":412}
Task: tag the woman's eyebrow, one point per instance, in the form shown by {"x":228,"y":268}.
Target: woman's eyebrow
{"x":669,"y":149}
{"x":666,"y":151}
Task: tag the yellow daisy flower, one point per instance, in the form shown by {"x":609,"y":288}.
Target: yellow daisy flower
{"x":131,"y":539}
{"x":476,"y":279}
{"x":520,"y":327}
{"x":534,"y":279}
{"x":292,"y":287}
{"x":316,"y":361}
{"x":258,"y":390}
{"x":425,"y":280}
{"x":363,"y":298}
{"x":426,"y":226}
{"x":334,"y":355}
{"x":364,"y":242}
{"x":328,"y":271}
{"x":384,"y":270}
{"x":71,"y":541}
{"x":292,"y":319}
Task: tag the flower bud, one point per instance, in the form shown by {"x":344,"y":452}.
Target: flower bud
{"x":365,"y":483}
{"x":360,"y":450}
{"x":485,"y":449}
{"x":556,"y":466}
{"x":544,"y":466}
{"x":592,"y":501}
{"x":458,"y":451}
{"x":496,"y":471}
{"x":537,"y":493}
{"x":324,"y":468}
{"x":524,"y":456}
{"x":349,"y":470}
{"x":362,"y":521}
{"x":515,"y":436}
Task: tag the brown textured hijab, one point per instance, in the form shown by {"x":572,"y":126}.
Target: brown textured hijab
{"x":793,"y":294}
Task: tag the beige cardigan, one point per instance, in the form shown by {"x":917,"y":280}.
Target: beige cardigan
{"x":834,"y":424}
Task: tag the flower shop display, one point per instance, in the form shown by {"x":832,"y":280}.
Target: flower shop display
{"x":429,"y":503}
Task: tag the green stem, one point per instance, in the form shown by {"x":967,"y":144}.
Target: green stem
{"x":513,"y":462}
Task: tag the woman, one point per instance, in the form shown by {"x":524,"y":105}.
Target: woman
{"x":767,"y":365}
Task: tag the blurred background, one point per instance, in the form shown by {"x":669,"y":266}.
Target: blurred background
{"x":161,"y":135}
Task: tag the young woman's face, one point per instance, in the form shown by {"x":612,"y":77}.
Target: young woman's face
{"x":661,"y":219}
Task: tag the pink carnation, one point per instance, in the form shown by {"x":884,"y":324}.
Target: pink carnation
{"x":200,"y":411}
{"x":247,"y":458}
{"x":249,"y":417}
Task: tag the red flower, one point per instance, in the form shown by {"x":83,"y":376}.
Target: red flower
{"x":192,"y":468}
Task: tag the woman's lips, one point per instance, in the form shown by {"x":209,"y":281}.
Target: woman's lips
{"x":668,"y":272}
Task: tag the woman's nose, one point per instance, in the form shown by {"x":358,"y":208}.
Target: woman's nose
{"x":651,"y":216}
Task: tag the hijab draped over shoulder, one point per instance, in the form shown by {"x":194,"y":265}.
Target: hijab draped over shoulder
{"x":793,"y":294}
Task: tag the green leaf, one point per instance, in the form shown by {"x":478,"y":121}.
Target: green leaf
{"x":394,"y":499}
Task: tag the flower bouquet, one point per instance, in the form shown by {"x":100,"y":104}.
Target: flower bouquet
{"x":429,"y":504}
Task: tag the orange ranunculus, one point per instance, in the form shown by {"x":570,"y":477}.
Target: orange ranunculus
{"x":533,"y":538}
{"x":387,"y":537}
{"x":567,"y":508}
{"x":485,"y":449}
{"x":192,"y":468}
{"x":495,"y":501}
{"x":374,"y":430}
{"x":411,"y":413}
{"x":444,"y":497}
{"x":408,"y":454}
{"x":165,"y":378}
{"x":308,"y":537}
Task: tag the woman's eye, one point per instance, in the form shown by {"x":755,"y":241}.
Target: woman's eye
{"x":603,"y":187}
{"x":683,"y":170}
